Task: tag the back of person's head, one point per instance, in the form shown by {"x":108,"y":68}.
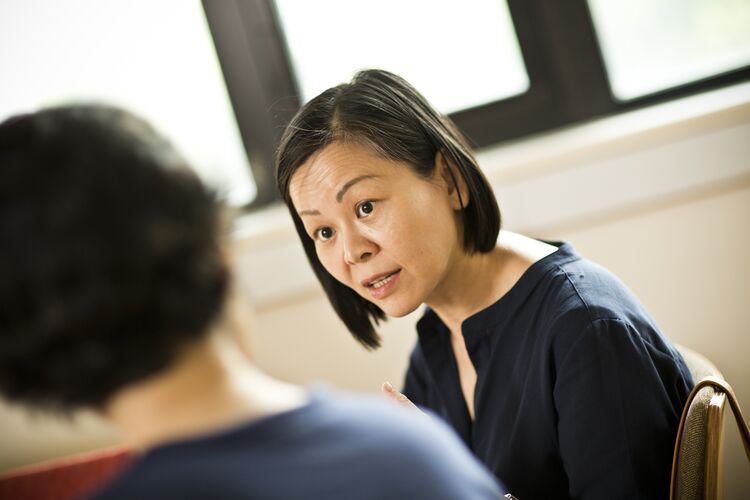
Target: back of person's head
{"x":110,"y":261}
{"x":383,"y":112}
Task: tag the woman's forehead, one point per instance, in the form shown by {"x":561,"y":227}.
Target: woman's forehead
{"x":330,"y":168}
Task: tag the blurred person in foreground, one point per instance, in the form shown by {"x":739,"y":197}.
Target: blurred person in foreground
{"x":116,"y":295}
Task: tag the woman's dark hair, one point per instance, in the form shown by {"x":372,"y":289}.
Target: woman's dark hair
{"x":385,"y":113}
{"x":110,"y":261}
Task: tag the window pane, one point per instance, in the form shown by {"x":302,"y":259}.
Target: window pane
{"x":652,"y":45}
{"x":459,"y":54}
{"x":155,"y":58}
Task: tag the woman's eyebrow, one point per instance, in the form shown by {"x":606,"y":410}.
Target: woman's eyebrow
{"x":345,"y":187}
{"x":309,"y":212}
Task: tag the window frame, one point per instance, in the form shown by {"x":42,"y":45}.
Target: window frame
{"x":568,"y":80}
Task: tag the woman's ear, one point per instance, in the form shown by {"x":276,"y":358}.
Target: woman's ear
{"x":453,"y":181}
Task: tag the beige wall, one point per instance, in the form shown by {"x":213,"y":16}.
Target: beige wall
{"x":662,"y":198}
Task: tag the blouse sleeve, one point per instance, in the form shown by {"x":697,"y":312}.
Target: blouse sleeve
{"x":616,"y":422}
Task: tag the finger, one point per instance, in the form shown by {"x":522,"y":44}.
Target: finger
{"x":395,"y":395}
{"x":390,"y":391}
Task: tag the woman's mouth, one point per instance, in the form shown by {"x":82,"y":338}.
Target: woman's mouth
{"x":382,"y":285}
{"x":381,"y":282}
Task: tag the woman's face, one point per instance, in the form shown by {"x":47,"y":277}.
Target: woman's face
{"x":379,"y":228}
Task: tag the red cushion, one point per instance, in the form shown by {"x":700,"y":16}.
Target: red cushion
{"x":65,"y":478}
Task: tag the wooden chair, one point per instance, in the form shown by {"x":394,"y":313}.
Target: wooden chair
{"x":696,"y":464}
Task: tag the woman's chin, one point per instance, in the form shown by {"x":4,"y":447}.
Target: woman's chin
{"x":397,"y":310}
{"x":394,"y":306}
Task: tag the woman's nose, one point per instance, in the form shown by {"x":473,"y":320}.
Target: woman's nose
{"x":358,"y":248}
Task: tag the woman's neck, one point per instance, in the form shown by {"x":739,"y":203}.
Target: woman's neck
{"x":474,"y":282}
{"x":212,"y":385}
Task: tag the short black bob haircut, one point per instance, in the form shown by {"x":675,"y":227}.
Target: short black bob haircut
{"x":110,"y":261}
{"x":385,"y":113}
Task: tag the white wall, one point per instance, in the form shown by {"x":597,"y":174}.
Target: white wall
{"x":660,"y":196}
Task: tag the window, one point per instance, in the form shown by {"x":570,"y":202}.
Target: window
{"x":154,"y":58}
{"x":477,"y":36}
{"x":519,"y":66}
{"x":652,"y":46}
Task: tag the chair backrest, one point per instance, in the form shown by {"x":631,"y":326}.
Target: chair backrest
{"x":67,"y":478}
{"x":696,"y":467}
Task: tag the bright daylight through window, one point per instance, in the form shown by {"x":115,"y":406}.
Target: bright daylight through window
{"x":155,"y":58}
{"x":414,"y":39}
{"x":651,"y":46}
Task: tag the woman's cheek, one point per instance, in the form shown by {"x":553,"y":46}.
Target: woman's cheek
{"x":326,"y":258}
{"x":384,"y":230}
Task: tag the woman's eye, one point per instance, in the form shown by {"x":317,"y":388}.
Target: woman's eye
{"x":365,"y":208}
{"x":324,"y":233}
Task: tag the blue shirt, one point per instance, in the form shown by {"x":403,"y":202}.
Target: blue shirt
{"x":578,"y":393}
{"x":335,"y":447}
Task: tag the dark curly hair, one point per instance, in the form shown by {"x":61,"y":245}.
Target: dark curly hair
{"x":110,"y":259}
{"x":385,"y":113}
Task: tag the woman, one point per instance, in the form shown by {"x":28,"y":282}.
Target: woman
{"x":543,"y":362}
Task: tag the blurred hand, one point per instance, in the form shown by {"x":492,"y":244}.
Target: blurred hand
{"x":399,"y":398}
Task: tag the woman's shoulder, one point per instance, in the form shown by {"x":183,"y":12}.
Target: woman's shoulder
{"x":593,"y":289}
{"x":565,"y":296}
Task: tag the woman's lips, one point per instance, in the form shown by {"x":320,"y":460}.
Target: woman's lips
{"x":382,"y":286}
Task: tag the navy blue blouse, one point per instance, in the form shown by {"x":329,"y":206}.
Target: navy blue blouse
{"x":578,"y":393}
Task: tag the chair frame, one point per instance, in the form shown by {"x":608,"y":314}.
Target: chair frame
{"x":714,"y":419}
